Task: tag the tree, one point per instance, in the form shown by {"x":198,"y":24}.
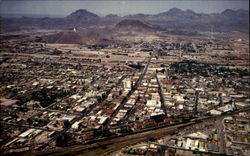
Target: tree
{"x":62,"y":140}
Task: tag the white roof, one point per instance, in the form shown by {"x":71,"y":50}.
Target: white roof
{"x":26,"y":133}
{"x":102,"y":119}
{"x":215,"y":112}
{"x":199,"y":135}
{"x":68,"y":117}
{"x":226,"y":108}
{"x":76,"y":124}
{"x":76,"y":96}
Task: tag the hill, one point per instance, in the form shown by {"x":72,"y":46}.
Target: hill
{"x":131,"y":24}
{"x":173,"y":19}
{"x":82,"y":14}
{"x":82,"y":17}
{"x":87,"y":37}
{"x":226,"y":21}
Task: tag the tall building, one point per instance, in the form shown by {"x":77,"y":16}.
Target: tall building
{"x":127,"y":84}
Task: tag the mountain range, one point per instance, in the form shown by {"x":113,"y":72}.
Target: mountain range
{"x":173,"y":19}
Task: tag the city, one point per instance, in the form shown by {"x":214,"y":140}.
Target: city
{"x":145,"y":92}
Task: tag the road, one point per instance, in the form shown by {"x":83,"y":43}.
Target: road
{"x":125,"y":100}
{"x":77,"y":118}
{"x":221,"y":139}
{"x":163,"y":106}
{"x":116,"y":143}
{"x":197,"y":95}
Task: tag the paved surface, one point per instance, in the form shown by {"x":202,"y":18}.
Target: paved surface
{"x":125,"y":100}
{"x":163,"y":106}
{"x":221,"y":140}
{"x":114,"y":144}
{"x":111,"y":145}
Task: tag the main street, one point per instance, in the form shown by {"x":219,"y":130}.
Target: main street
{"x":163,"y":106}
{"x":125,"y":100}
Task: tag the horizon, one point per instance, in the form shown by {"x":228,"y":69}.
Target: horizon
{"x":120,"y":8}
{"x":62,"y":16}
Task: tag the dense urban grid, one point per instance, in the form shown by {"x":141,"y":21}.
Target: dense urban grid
{"x":58,"y":97}
{"x":149,"y":94}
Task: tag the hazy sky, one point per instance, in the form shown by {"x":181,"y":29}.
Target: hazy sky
{"x":120,"y":7}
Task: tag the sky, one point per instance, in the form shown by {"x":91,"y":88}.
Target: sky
{"x":119,"y":7}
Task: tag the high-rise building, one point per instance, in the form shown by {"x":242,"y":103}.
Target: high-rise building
{"x":127,"y":84}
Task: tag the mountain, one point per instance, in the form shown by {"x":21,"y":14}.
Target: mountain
{"x":82,"y":17}
{"x":68,"y":37}
{"x":82,"y":14}
{"x":229,"y":12}
{"x":242,"y":12}
{"x":172,"y":12}
{"x":111,"y":16}
{"x":87,"y":37}
{"x":137,"y":16}
{"x":238,"y":13}
{"x":131,"y":24}
{"x":110,"y":20}
{"x":173,"y":20}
